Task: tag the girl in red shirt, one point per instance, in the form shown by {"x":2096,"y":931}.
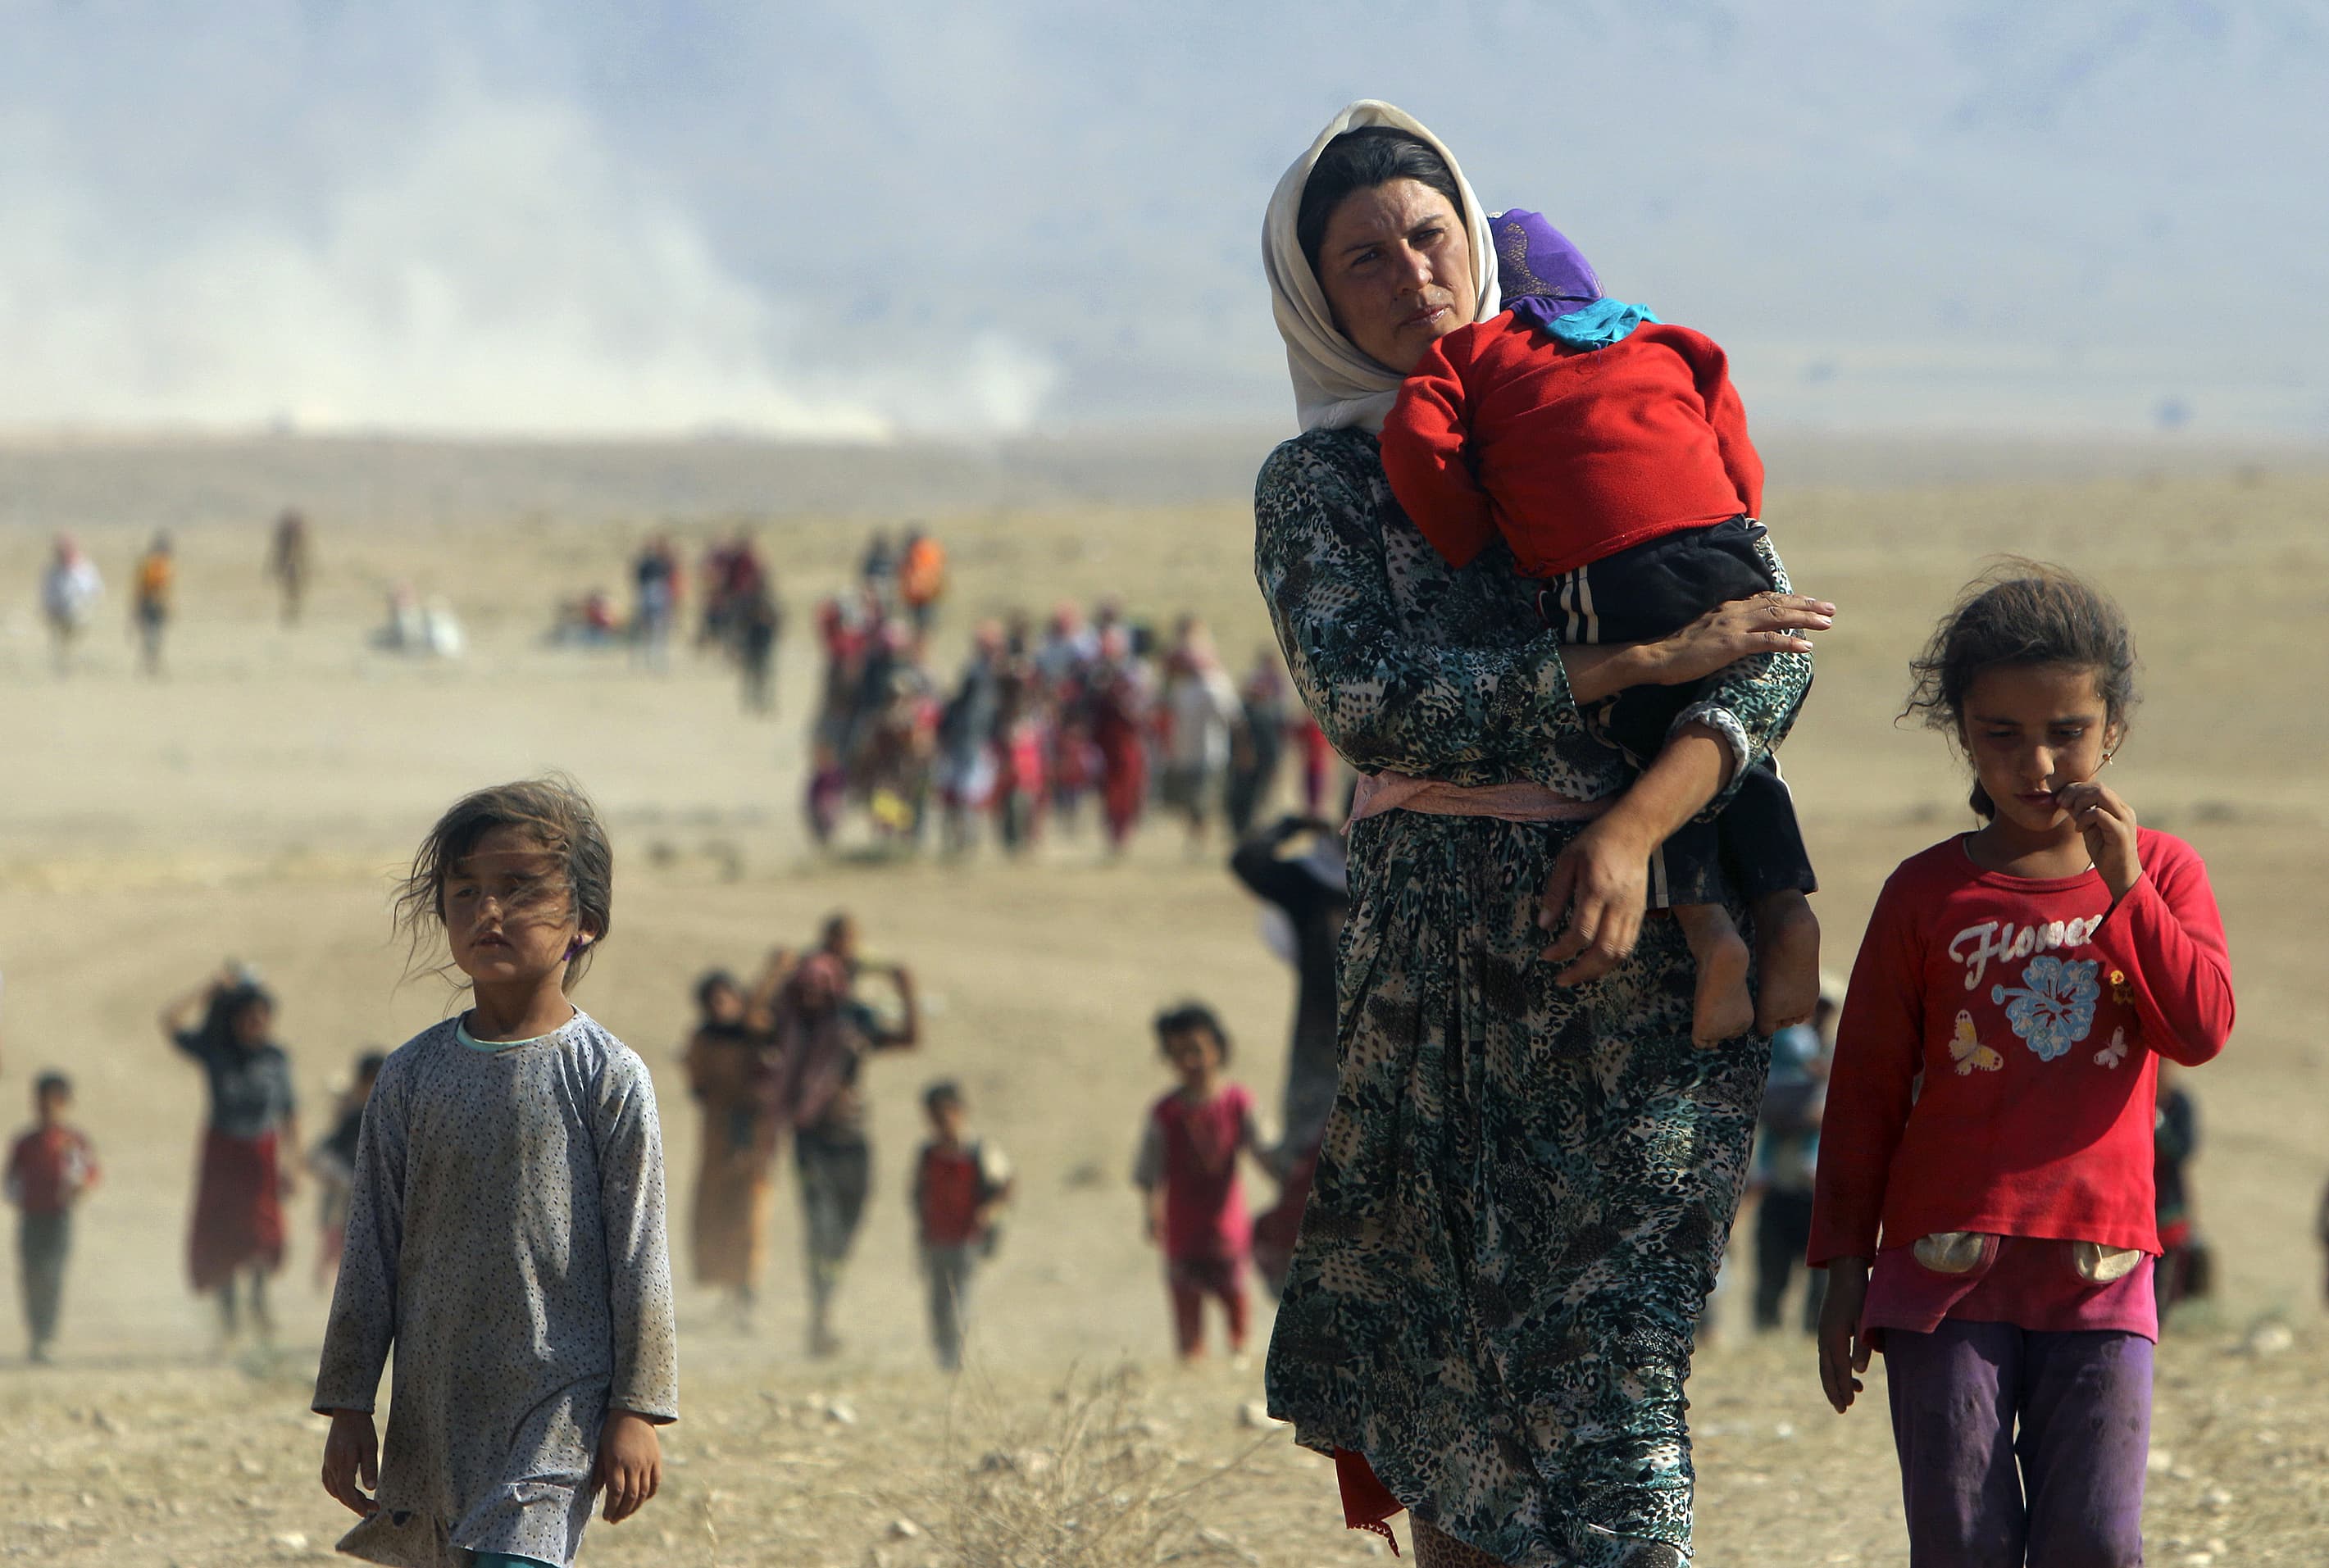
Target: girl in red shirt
{"x":1187,"y":1173}
{"x":1983,"y":1203}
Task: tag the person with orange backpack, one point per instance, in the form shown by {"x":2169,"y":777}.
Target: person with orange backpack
{"x":922,"y":579}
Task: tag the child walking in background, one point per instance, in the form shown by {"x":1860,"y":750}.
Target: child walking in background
{"x":506,"y":1231}
{"x":332,"y":1164}
{"x":960,"y":1186}
{"x":156,"y":580}
{"x":254,"y":1120}
{"x":1187,"y":1172}
{"x":1983,"y":1203}
{"x":49,"y":1168}
{"x":1610,"y":451}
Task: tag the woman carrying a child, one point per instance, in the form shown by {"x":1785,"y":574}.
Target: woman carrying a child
{"x":1530,"y":1168}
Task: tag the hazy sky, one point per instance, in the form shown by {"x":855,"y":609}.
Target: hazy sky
{"x":853,"y":219}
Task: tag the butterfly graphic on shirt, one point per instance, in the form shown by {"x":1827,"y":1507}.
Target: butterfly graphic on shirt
{"x":1967,"y":1051}
{"x":2112,"y":1054}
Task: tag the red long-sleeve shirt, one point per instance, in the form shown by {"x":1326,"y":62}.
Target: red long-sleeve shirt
{"x":1570,"y":454}
{"x":49,"y":1167}
{"x":2035,"y":1013}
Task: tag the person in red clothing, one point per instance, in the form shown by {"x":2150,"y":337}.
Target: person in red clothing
{"x":1187,"y":1172}
{"x":1983,"y":1204}
{"x":960,"y":1186}
{"x":49,"y":1168}
{"x":1609,"y":450}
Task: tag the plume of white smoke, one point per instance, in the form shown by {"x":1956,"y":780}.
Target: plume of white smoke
{"x":500,"y":271}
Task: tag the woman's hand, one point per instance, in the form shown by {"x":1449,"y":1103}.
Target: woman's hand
{"x":351,"y":1457}
{"x":1599,"y":884}
{"x":1842,"y":1350}
{"x":2108,"y":824}
{"x":1601,"y":881}
{"x":1769,"y":623}
{"x":630,"y":1464}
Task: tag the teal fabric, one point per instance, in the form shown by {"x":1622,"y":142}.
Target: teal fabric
{"x":1598,"y":324}
{"x":506,"y":1560}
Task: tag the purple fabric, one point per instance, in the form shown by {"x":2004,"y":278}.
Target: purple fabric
{"x":1541,"y":275}
{"x":2065,"y":1490}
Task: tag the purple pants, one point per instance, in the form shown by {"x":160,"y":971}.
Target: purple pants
{"x":2066,"y":1489}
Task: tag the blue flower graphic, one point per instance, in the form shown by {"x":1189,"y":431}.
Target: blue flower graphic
{"x":2054,"y":1006}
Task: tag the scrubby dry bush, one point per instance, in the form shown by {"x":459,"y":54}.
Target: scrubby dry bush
{"x":1092,"y":1483}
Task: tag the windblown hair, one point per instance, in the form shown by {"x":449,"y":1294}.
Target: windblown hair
{"x":555,"y":813}
{"x":1360,"y":160}
{"x":2022,"y":613}
{"x":1188,"y":1018}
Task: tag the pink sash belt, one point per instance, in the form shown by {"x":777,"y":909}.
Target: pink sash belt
{"x":1508,"y":803}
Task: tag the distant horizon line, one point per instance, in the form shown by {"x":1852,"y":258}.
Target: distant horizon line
{"x":1131,"y":435}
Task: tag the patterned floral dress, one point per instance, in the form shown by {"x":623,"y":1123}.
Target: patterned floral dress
{"x":1525,"y":1188}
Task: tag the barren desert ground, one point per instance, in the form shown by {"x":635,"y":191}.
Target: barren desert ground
{"x":255,"y":803}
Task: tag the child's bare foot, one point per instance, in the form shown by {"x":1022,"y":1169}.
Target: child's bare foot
{"x":1722,"y":1007}
{"x":1787,"y":961}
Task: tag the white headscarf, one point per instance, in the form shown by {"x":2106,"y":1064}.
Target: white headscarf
{"x":1336,"y":384}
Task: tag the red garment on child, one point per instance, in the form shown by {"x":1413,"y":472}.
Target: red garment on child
{"x":1205,"y":1217}
{"x":1996,"y":1062}
{"x":946,"y":1192}
{"x":48,"y":1166}
{"x":1571,"y":456}
{"x":2020,"y":1279}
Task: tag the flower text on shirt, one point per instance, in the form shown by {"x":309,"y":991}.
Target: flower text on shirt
{"x":2002,"y":940}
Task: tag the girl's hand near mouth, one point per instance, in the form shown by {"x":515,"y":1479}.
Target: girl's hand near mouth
{"x":2107,"y":823}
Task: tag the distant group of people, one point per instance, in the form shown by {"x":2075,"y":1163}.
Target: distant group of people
{"x":72,"y":589}
{"x":1036,"y":723}
{"x":783,"y":1058}
{"x":742,"y":617}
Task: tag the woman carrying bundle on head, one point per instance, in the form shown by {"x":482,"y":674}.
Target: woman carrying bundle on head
{"x":254,"y":1118}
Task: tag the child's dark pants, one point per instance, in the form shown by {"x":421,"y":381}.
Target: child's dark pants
{"x":43,"y":1241}
{"x":2066,"y":1490}
{"x":1652,"y":591}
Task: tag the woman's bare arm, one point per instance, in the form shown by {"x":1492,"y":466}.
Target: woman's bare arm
{"x":1600,"y":881}
{"x":1740,"y":629}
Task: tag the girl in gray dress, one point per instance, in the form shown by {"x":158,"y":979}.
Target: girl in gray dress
{"x":506,"y":1229}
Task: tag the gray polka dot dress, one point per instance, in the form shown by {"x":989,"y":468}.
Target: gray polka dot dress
{"x":506,"y":1237}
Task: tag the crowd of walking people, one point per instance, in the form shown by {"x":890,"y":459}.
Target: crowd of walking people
{"x":1091,"y":717}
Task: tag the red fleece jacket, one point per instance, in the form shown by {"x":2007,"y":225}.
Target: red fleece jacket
{"x":1571,"y":456}
{"x":2035,"y":1013}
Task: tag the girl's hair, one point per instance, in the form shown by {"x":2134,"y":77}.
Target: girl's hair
{"x":1188,"y":1018}
{"x":2022,"y":613}
{"x":1360,"y":160}
{"x":555,"y":813}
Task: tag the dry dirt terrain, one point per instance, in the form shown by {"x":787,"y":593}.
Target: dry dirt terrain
{"x":255,"y":803}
